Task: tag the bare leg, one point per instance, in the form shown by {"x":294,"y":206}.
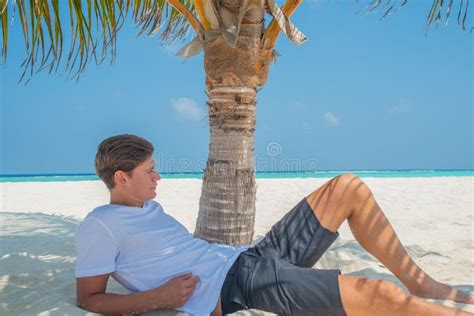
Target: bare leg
{"x":348,"y":197}
{"x":364,"y":297}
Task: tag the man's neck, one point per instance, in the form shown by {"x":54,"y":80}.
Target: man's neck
{"x":121,"y":199}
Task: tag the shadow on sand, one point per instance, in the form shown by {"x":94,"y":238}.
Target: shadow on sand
{"x":37,"y":265}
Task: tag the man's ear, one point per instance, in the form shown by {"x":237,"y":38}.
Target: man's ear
{"x":120,"y":177}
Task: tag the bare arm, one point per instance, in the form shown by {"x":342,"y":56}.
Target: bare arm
{"x":90,"y":295}
{"x":218,"y":309}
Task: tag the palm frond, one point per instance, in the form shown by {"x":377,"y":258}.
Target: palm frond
{"x":435,"y":14}
{"x":4,"y":22}
{"x":93,"y":27}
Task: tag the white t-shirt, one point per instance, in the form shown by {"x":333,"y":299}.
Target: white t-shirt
{"x":145,"y":247}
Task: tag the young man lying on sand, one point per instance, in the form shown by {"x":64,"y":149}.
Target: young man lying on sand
{"x":151,"y":254}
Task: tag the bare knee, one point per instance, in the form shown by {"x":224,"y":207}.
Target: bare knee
{"x":390,"y":293}
{"x":388,"y":297}
{"x":380,"y":296}
{"x":337,"y":199}
{"x":352,"y":186}
{"x":347,"y":180}
{"x":348,"y":187}
{"x":347,"y":177}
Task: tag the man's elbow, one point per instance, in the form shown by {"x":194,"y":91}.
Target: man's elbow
{"x":81,"y":303}
{"x":89,"y":292}
{"x":85,"y":303}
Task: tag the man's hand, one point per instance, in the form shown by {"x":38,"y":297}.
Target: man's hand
{"x":177,"y":290}
{"x":91,"y":295}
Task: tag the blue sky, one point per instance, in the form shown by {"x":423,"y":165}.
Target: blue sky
{"x":361,"y":94}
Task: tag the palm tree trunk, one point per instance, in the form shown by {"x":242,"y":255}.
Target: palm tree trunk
{"x":234,"y":70}
{"x":227,"y":204}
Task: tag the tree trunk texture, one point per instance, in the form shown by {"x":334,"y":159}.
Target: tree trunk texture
{"x":227,"y":204}
{"x":233,"y":74}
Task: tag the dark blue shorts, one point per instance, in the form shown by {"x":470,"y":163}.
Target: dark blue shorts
{"x":276,"y":275}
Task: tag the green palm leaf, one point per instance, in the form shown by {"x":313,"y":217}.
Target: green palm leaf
{"x":94,"y":25}
{"x":93,"y":29}
{"x":435,"y":14}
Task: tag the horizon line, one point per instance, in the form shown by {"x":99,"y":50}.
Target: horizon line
{"x":264,"y":172}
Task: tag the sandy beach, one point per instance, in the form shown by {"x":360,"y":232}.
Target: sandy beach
{"x":433,"y":218}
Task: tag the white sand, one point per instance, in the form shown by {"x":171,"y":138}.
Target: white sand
{"x":433,"y":218}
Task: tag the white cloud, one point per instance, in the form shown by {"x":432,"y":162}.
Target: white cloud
{"x":307,"y":126}
{"x":187,"y":108}
{"x":403,"y":106}
{"x":331,"y":118}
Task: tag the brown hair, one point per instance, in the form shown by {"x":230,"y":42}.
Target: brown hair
{"x":120,"y":152}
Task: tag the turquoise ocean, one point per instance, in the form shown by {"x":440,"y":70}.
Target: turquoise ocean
{"x":259,"y":175}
